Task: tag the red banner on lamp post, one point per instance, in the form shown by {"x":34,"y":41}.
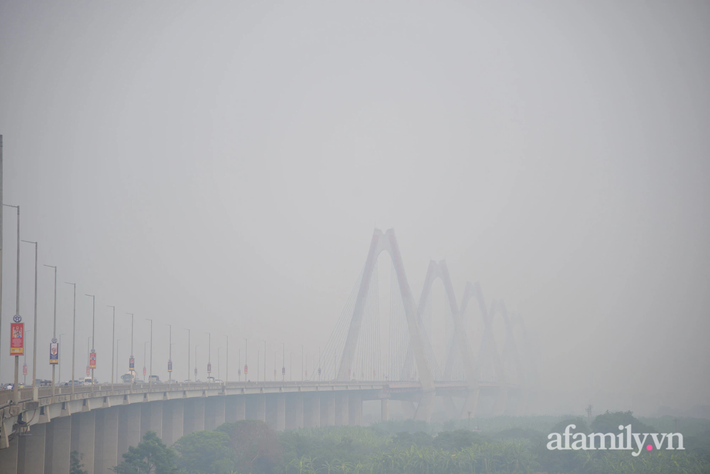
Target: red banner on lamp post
{"x":17,"y":339}
{"x":92,"y":360}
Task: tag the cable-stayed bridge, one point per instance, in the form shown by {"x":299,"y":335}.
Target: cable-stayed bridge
{"x":370,"y":357}
{"x":504,"y":373}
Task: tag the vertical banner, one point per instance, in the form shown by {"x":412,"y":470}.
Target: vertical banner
{"x":92,"y":359}
{"x":17,"y":339}
{"x":246,"y":369}
{"x":53,"y":353}
{"x":170,"y":366}
{"x":24,"y":369}
{"x":132,"y":364}
{"x":88,"y":371}
{"x":209,"y":368}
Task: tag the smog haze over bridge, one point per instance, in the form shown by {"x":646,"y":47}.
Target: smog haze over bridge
{"x":222,"y":168}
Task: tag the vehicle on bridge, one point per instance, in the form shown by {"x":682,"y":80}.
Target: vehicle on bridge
{"x":154,"y":379}
{"x":129,"y":377}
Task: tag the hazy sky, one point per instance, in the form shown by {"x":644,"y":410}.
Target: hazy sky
{"x":221,"y":166}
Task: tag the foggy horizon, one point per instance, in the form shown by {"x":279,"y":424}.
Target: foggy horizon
{"x":222,"y":168}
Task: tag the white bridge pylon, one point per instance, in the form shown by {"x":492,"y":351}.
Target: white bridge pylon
{"x":420,"y":360}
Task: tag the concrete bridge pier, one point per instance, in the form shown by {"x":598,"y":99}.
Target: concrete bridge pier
{"x":311,"y":410}
{"x":106,"y":444}
{"x":214,"y":412}
{"x":276,"y":411}
{"x":83,"y":436}
{"x":294,"y":411}
{"x":57,"y":452}
{"x":8,"y":456}
{"x":173,"y":421}
{"x":355,"y":409}
{"x":234,"y":407}
{"x":327,"y":409}
{"x":129,"y":427}
{"x":194,"y":415}
{"x":152,"y":418}
{"x":341,"y":409}
{"x":256,"y":407}
{"x":30,"y":459}
{"x":385,"y":409}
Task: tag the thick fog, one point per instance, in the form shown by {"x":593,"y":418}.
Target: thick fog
{"x":222,"y":166}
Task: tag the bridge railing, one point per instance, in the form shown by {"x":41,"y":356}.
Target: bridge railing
{"x":6,"y":396}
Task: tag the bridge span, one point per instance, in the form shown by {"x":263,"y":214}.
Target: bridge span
{"x":39,"y":433}
{"x":40,"y":428}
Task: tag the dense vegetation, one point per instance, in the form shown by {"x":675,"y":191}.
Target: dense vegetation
{"x":500,"y":445}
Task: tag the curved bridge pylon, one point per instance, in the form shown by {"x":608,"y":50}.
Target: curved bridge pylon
{"x":354,"y":347}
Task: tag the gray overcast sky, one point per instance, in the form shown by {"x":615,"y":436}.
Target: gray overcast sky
{"x":222,"y":166}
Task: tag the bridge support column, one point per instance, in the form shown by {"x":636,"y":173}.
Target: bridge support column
{"x":385,"y":409}
{"x":173,"y":419}
{"x":425,"y":406}
{"x":129,"y":428}
{"x":106,"y":447}
{"x":355,"y":409}
{"x":341,"y":409}
{"x":255,"y":407}
{"x":152,"y":418}
{"x":311,"y":410}
{"x":470,"y":403}
{"x":57,"y":453}
{"x":8,"y":456}
{"x":294,"y":411}
{"x":327,"y":409}
{"x":280,"y":412}
{"x":272,"y":402}
{"x":194,"y":415}
{"x":234,"y":408}
{"x":83,"y":436}
{"x":214,"y":412}
{"x":31,"y":451}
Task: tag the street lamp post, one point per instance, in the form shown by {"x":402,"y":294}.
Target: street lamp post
{"x":24,"y":363}
{"x":54,"y":330}
{"x":150,"y":377}
{"x":283,"y":362}
{"x":15,"y":389}
{"x":131,"y":359}
{"x":301,"y":362}
{"x":196,"y":346}
{"x":113,"y":345}
{"x":170,"y":354}
{"x":144,"y":358}
{"x":73,"y":339}
{"x":93,"y":344}
{"x":60,"y":360}
{"x":118,"y":358}
{"x":34,"y":341}
{"x":246,"y":358}
{"x":188,"y":355}
{"x":264,"y":361}
{"x":209,"y":356}
{"x":226,"y":376}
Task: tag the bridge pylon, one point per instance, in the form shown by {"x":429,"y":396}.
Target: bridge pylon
{"x":381,"y":243}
